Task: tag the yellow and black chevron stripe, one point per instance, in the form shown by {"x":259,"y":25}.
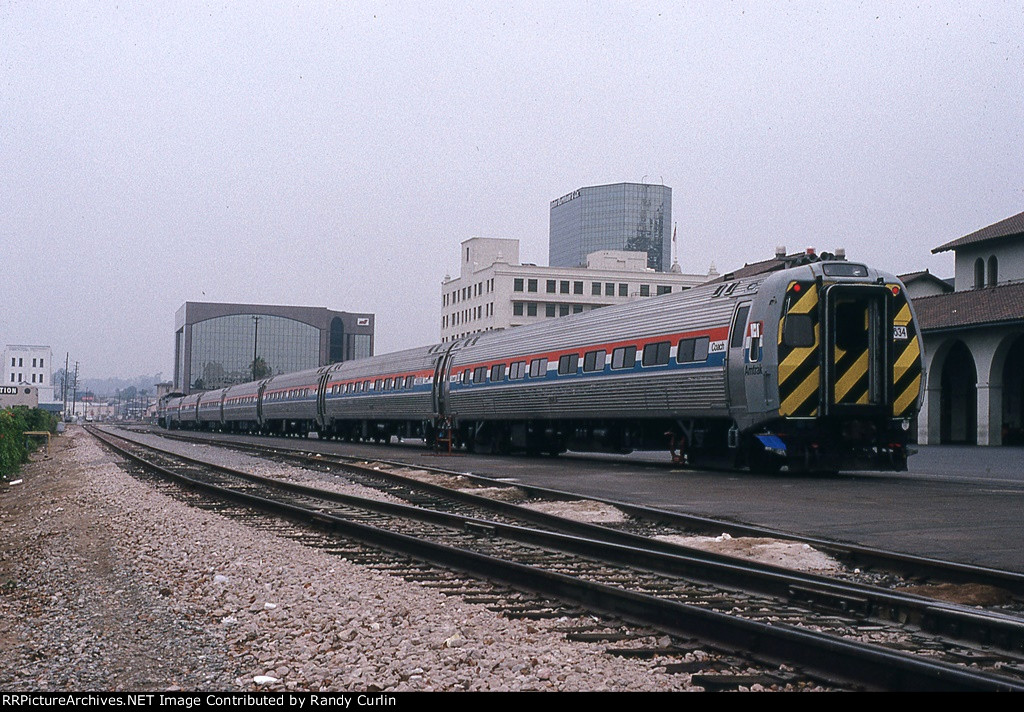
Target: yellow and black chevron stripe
{"x":850,"y":368}
{"x":906,"y":363}
{"x":800,"y":366}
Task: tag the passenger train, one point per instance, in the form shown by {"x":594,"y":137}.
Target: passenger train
{"x":816,"y":367}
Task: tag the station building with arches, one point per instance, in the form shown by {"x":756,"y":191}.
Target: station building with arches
{"x":974,"y":341}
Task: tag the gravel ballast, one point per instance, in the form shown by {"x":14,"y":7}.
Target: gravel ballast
{"x":105,"y":583}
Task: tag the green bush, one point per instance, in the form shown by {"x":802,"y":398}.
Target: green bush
{"x":14,"y":422}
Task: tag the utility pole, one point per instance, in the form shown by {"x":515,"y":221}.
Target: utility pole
{"x":74,"y":398}
{"x":64,"y":385}
{"x":255,"y":335}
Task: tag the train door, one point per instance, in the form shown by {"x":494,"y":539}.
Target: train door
{"x":321,"y":398}
{"x":858,"y":329}
{"x":259,"y":402}
{"x":440,"y":390}
{"x":738,"y":343}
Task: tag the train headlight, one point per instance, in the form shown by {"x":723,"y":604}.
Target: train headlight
{"x":905,"y":424}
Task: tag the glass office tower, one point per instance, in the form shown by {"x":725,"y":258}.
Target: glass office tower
{"x":621,"y":216}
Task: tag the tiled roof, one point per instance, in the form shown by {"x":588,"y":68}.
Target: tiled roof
{"x":926,"y":276}
{"x":989,"y":305}
{"x":1010,"y":227}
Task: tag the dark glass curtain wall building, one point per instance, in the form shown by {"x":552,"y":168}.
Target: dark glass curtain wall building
{"x":217,"y":345}
{"x":621,"y":216}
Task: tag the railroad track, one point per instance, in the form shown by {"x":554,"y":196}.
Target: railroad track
{"x":875,"y":564}
{"x":772,"y":614}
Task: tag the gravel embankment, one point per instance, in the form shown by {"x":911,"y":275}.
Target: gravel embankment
{"x":107,"y":584}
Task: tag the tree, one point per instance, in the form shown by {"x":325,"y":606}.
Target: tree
{"x":259,"y":368}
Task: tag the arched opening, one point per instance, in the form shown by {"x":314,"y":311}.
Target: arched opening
{"x":959,"y":399}
{"x":979,"y":273}
{"x":993,"y":271}
{"x":1013,"y":394}
{"x":337,"y":345}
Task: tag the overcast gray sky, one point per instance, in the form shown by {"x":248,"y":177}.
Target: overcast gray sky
{"x":335,"y":153}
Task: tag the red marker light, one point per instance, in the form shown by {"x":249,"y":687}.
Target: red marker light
{"x":895,"y":290}
{"x":796,"y":287}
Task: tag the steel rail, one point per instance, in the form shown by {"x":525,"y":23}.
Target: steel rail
{"x":831,"y":657}
{"x":907,"y":564}
{"x":812,"y":590}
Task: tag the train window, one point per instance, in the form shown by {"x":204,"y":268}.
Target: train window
{"x":844,"y":269}
{"x":387,"y":384}
{"x":498,"y":372}
{"x":739,"y":326}
{"x":593,"y":361}
{"x":480,"y":374}
{"x":700,"y":348}
{"x":656,"y":354}
{"x":568,"y":364}
{"x":517,"y":370}
{"x":466,"y":375}
{"x":851,"y":326}
{"x":691,"y":350}
{"x":410,"y":381}
{"x":377,"y":384}
{"x":798,"y":331}
{"x":538,"y":368}
{"x":624,"y":357}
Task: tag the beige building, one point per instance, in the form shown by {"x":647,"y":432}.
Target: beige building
{"x":494,"y":291}
{"x":18,"y":395}
{"x":29,"y":366}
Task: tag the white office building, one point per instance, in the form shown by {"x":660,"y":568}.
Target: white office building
{"x":494,"y":291}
